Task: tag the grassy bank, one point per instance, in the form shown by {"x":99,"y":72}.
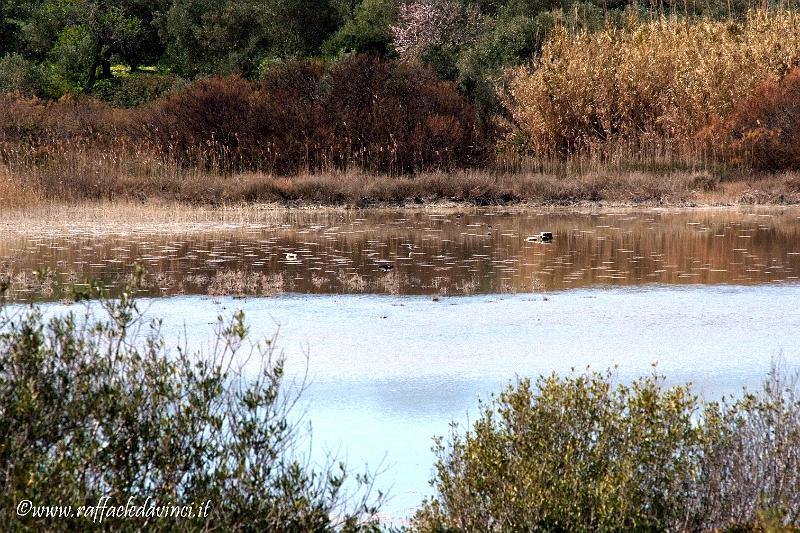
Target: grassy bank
{"x":612,"y":188}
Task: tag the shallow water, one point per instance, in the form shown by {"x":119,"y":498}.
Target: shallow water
{"x":386,"y":373}
{"x":416,"y":252}
{"x":461,"y":306}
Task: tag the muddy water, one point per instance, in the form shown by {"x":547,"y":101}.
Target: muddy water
{"x":415,"y":252}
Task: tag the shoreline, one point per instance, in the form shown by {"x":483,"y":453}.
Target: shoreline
{"x":589,"y":189}
{"x":158,"y":217}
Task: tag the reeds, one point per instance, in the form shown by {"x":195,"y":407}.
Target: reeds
{"x":647,"y":89}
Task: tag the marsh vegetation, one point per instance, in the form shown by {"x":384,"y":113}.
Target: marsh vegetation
{"x":473,"y":102}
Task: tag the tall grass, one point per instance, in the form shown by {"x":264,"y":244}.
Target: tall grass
{"x":649,"y":88}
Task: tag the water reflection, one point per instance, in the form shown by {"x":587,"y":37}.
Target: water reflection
{"x":418,"y":252}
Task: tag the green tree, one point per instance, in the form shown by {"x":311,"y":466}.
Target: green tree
{"x":13,"y":14}
{"x":81,"y":38}
{"x":227,"y":36}
{"x":369,"y":30}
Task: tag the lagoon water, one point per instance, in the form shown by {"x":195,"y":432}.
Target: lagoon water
{"x":393,"y":356}
{"x":387,"y":373}
{"x":412,"y":252}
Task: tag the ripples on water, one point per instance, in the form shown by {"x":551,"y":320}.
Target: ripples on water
{"x":417,"y":252}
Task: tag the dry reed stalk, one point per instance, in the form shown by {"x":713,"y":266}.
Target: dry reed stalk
{"x":649,"y":87}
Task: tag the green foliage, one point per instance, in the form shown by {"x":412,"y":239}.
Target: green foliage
{"x":582,"y":454}
{"x":209,"y":36}
{"x":443,"y":61}
{"x":136,"y":89}
{"x":13,"y":14}
{"x":96,"y":405}
{"x":368,"y":31}
{"x":21,"y":76}
{"x":76,"y":41}
{"x":81,"y":38}
{"x":513,"y":40}
{"x":572,"y":454}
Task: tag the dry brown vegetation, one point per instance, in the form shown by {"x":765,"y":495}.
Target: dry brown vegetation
{"x":666,"y":111}
{"x":764,"y":129}
{"x":648,"y":90}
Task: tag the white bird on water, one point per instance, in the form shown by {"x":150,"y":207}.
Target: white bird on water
{"x":291,"y":256}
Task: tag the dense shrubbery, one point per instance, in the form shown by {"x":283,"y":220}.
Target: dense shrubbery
{"x":361,"y":112}
{"x":135,"y":90}
{"x":91,"y":407}
{"x":582,"y":454}
{"x":763,"y":131}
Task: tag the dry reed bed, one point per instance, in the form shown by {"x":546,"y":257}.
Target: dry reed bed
{"x":204,"y":198}
{"x":650,"y":87}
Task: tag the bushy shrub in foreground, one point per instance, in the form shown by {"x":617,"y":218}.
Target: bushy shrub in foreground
{"x":90,"y":409}
{"x":582,"y":454}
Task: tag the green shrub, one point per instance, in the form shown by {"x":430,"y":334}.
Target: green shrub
{"x":26,"y":78}
{"x":135,"y":89}
{"x":89,"y":408}
{"x":582,"y":454}
{"x":368,"y":31}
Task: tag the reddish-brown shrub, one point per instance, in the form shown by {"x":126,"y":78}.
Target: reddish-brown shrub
{"x":362,"y":112}
{"x":400,"y":117}
{"x":35,"y":121}
{"x":290,"y":128}
{"x":202,"y":125}
{"x":764,"y":129}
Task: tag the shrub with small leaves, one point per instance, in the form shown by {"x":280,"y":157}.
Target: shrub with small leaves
{"x":92,"y":407}
{"x":583,"y":454}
